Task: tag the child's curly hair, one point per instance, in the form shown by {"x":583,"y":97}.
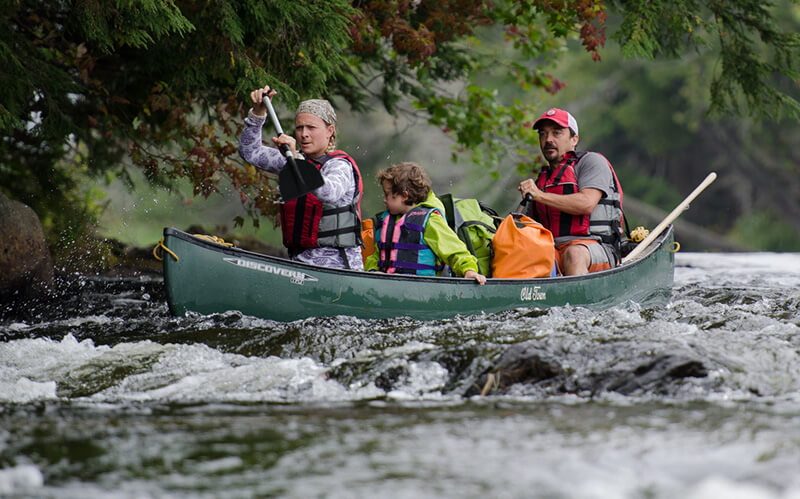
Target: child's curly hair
{"x":409,"y":178}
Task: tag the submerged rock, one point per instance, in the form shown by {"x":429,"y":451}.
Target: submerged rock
{"x":525,"y":363}
{"x":639,"y":369}
{"x":657,"y":374}
{"x":26,"y":268}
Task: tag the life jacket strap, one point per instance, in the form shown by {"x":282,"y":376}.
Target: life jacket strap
{"x":403,"y":246}
{"x":343,"y":254}
{"x":414,"y":266}
{"x":334,"y":232}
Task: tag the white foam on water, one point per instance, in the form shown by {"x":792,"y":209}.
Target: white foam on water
{"x":32,"y":369}
{"x":219,"y":465}
{"x":405,"y":350}
{"x":22,"y":390}
{"x":100,"y":320}
{"x":720,"y":487}
{"x":40,"y":364}
{"x":412,"y":347}
{"x":423,"y":381}
{"x":34,"y":364}
{"x":198,"y":373}
{"x":21,"y":480}
{"x":745,"y":268}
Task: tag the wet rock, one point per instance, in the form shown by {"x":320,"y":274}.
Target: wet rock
{"x":525,"y":363}
{"x":645,"y":368}
{"x":655,"y":376}
{"x":389,"y":378}
{"x":642,"y":368}
{"x":26,"y":268}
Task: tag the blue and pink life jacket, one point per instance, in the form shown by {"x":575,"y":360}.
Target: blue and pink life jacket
{"x":401,"y":244}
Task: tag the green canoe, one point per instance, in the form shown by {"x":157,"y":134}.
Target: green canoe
{"x":208,"y":277}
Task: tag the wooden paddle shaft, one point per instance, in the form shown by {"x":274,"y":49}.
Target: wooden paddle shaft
{"x":670,"y":218}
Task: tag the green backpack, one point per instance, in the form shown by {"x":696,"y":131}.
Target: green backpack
{"x":475,"y":223}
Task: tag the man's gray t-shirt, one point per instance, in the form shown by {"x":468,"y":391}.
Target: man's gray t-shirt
{"x":592,"y":171}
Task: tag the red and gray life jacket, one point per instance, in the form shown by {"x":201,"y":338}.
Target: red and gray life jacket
{"x":401,"y":244}
{"x":604,"y":223}
{"x":307,"y":222}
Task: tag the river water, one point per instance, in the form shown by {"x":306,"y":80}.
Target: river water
{"x":104,"y":394}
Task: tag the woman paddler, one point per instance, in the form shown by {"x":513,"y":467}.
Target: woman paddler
{"x":321,"y":227}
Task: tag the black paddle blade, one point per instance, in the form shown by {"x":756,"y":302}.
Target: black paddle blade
{"x":298,"y":178}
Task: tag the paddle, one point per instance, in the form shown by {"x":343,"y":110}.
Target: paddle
{"x":672,"y":216}
{"x":528,"y":199}
{"x":299,"y":177}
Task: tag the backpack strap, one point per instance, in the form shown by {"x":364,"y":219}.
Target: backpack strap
{"x":449,"y":209}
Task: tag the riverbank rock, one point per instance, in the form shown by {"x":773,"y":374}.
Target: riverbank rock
{"x":26,"y":268}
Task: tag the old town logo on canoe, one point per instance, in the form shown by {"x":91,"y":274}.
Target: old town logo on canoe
{"x":534,"y":293}
{"x":294,"y":276}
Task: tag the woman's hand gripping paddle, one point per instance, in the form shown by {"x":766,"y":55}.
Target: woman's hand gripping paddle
{"x":299,"y":177}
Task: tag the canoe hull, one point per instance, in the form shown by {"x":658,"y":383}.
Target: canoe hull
{"x":211,"y":278}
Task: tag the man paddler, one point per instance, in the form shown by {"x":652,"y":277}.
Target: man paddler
{"x":577,"y":197}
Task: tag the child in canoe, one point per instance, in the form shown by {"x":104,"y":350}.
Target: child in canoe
{"x":412,"y":235}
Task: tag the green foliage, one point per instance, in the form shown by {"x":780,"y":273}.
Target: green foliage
{"x":765,"y":230}
{"x":651,"y":190}
{"x":752,"y":48}
{"x":161,"y":85}
{"x":149,"y":84}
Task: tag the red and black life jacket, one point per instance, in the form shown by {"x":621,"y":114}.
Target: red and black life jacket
{"x":307,"y":222}
{"x":604,"y":223}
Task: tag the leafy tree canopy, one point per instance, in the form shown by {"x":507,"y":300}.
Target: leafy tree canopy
{"x":89,"y":86}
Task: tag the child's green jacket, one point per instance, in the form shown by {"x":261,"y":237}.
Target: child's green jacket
{"x":445,"y":244}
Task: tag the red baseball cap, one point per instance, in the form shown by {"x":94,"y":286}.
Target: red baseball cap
{"x":559,"y":117}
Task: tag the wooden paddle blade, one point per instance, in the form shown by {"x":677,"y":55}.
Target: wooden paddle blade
{"x":298,"y":178}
